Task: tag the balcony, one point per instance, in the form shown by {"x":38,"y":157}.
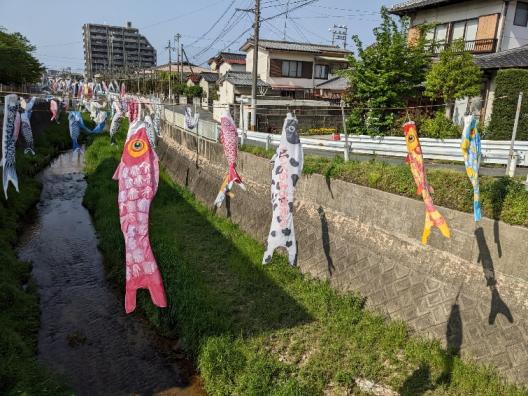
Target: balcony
{"x":484,"y":46}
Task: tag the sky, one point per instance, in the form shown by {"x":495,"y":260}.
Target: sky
{"x":206,"y":26}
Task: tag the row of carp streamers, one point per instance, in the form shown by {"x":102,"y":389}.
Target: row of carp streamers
{"x":287,"y":165}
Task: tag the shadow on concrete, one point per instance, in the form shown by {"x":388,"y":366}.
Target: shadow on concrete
{"x":328,"y":181}
{"x":498,"y":306}
{"x":325,"y":236}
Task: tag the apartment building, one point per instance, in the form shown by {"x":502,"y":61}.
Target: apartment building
{"x":112,"y":48}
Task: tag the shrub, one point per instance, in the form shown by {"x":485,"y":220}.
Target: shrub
{"x":440,"y":127}
{"x":194,"y":91}
{"x":509,"y":83}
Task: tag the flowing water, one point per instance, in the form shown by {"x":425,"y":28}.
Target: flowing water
{"x":85,"y":334}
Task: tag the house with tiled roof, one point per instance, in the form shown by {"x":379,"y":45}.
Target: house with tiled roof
{"x":295,"y":69}
{"x":223,"y":62}
{"x":495,"y":31}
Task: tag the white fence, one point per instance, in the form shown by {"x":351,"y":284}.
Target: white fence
{"x":493,"y":151}
{"x":205,"y":129}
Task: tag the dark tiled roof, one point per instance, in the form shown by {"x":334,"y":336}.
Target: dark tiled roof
{"x":229,"y":57}
{"x":234,"y":58}
{"x":413,"y":5}
{"x":209,"y":77}
{"x":241,"y":79}
{"x":295,"y":46}
{"x":516,"y":57}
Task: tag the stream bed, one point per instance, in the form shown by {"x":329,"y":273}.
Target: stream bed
{"x":85,"y":335}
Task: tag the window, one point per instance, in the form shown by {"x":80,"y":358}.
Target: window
{"x":466,"y":30}
{"x":440,"y":34}
{"x":291,"y":69}
{"x":321,"y":72}
{"x":471,"y":30}
{"x":521,"y":14}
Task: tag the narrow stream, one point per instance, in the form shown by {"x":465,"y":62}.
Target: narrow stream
{"x":85,"y":334}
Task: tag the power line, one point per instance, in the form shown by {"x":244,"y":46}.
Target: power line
{"x":181,"y":15}
{"x":227,"y":28}
{"x":215,"y":23}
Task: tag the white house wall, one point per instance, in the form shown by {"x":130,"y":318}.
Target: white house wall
{"x":457,"y":12}
{"x":264,"y":68}
{"x":514,"y":36}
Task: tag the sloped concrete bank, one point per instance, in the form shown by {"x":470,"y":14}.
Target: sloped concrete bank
{"x":469,"y":292}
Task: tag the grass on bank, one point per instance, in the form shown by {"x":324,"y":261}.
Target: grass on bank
{"x":502,"y":198}
{"x":19,"y":306}
{"x":265,"y":330}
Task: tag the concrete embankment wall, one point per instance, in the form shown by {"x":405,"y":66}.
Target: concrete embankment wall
{"x":470,"y":292}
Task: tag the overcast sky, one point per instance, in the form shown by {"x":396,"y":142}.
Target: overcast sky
{"x":54,"y":26}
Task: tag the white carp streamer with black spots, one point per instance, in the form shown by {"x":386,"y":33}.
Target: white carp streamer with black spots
{"x":287,"y":169}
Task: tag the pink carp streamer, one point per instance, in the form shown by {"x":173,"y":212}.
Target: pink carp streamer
{"x":138,"y":176}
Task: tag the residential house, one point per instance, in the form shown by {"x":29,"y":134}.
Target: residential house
{"x":291,"y":74}
{"x":493,"y":30}
{"x":227,"y":61}
{"x":295,"y":69}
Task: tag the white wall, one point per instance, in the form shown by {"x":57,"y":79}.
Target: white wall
{"x":264,"y":68}
{"x":226,"y":93}
{"x":457,"y":12}
{"x":205,"y":87}
{"x":514,"y":36}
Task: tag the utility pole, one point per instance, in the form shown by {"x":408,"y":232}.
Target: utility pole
{"x":339,"y":32}
{"x":256,"y":27}
{"x":255,"y":67}
{"x":512,"y":157}
{"x":286,"y":19}
{"x":177,"y":37}
{"x":181,"y":63}
{"x":169,"y":48}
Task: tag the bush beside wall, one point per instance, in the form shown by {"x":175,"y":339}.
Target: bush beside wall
{"x":509,"y":83}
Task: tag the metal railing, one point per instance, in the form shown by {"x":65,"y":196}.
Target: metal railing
{"x":205,"y":129}
{"x":493,"y":151}
{"x":483,"y":46}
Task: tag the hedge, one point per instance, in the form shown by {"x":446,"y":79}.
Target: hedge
{"x":509,"y":83}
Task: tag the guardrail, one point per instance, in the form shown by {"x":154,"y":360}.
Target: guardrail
{"x":493,"y":151}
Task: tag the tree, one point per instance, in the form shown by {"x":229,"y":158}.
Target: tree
{"x":17,"y":64}
{"x":384,"y":75}
{"x":454,"y":76}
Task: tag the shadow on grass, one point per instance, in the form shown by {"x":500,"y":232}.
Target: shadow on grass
{"x":214,"y":283}
{"x":420,"y":381}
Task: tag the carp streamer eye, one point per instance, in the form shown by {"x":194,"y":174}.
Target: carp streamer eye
{"x":137,"y":147}
{"x":411,"y":138}
{"x":291,"y":128}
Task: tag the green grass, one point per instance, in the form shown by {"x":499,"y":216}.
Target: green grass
{"x":19,"y":307}
{"x":265,"y":330}
{"x":502,"y":198}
